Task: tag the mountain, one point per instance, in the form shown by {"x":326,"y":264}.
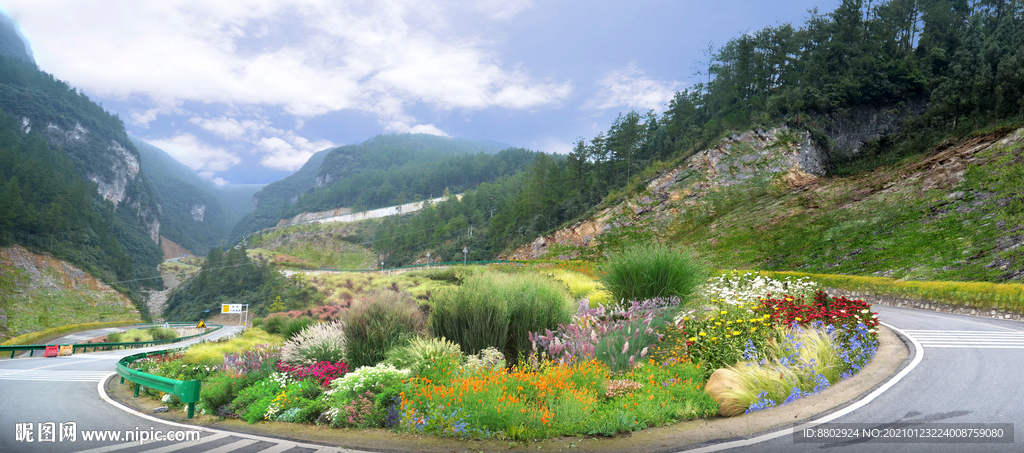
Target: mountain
{"x":71,"y":178}
{"x":385,"y":170}
{"x":269,"y":201}
{"x":195,"y":213}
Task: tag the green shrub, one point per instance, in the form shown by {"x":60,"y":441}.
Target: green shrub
{"x":536,"y":303}
{"x":221,"y":389}
{"x":114,"y":337}
{"x":474,"y":315}
{"x":500,"y":311}
{"x":421,"y":352}
{"x":321,"y":342}
{"x":161,"y":333}
{"x":648,"y":271}
{"x":378,"y":322}
{"x":291,"y":327}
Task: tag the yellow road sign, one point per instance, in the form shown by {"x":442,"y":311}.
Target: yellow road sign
{"x":201,"y":324}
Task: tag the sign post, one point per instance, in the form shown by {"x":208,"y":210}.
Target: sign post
{"x":237,"y":308}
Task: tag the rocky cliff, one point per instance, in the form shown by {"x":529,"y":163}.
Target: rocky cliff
{"x":777,"y":153}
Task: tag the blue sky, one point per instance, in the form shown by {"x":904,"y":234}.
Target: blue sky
{"x":245,"y":92}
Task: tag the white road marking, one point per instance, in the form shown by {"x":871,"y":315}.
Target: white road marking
{"x":233,"y":446}
{"x":968,"y":339}
{"x":177,"y":446}
{"x":53,"y":375}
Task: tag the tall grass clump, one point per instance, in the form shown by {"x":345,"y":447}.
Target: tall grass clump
{"x":650,"y":271}
{"x":422,"y":352}
{"x":805,"y":361}
{"x":380,"y":321}
{"x":321,"y":342}
{"x":499,"y":311}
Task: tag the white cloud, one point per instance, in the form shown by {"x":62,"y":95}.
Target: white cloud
{"x":502,"y":9}
{"x":553,"y":145}
{"x":191,"y":151}
{"x":231,"y":128}
{"x":308,"y":56}
{"x":631,"y":88}
{"x":289,"y":151}
{"x":212,"y":177}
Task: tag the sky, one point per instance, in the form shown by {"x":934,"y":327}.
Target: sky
{"x":245,"y":92}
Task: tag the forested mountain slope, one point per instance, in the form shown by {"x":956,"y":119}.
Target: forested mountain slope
{"x":192,"y":212}
{"x":383,"y":171}
{"x":71,"y":180}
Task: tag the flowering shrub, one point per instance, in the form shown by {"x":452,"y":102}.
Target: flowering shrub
{"x":617,"y":336}
{"x":421,"y":352}
{"x":251,"y":360}
{"x":806,"y":361}
{"x":552,"y":399}
{"x":321,"y":372}
{"x":357,"y":413}
{"x":321,"y":342}
{"x":718,"y":338}
{"x":488,"y":358}
{"x":836,"y":311}
{"x":367,"y":378}
{"x":734,"y":288}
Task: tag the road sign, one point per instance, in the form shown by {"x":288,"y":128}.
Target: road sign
{"x":201,"y":324}
{"x":231,"y":308}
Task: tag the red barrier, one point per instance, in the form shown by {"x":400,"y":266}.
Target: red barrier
{"x":52,"y":351}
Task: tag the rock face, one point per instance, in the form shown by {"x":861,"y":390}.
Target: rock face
{"x":719,"y":386}
{"x":776,"y":153}
{"x":851,"y":129}
{"x":198,"y":210}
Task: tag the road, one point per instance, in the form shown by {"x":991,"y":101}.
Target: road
{"x":971,"y":370}
{"x":965,"y":370}
{"x":63,"y":390}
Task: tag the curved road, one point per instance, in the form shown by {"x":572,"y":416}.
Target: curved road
{"x":966,"y":370}
{"x":971,"y":371}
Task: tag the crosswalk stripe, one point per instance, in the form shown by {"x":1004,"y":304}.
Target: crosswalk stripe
{"x":281,"y":447}
{"x":182,"y":445}
{"x":233,"y":446}
{"x":968,"y":339}
{"x":166,"y":449}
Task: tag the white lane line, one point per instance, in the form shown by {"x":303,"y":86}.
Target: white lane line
{"x":293,"y":444}
{"x":859,"y":404}
{"x":233,"y":446}
{"x":177,"y":446}
{"x":54,"y":375}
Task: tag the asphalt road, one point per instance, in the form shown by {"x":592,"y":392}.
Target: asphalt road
{"x":64,"y":390}
{"x":966,"y":370}
{"x":971,"y":371}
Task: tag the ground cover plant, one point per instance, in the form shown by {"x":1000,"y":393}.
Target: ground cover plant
{"x":137,"y":335}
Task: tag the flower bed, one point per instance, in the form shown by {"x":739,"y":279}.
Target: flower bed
{"x":608,"y":370}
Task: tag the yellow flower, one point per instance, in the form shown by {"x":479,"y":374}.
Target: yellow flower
{"x":724,"y":312}
{"x":753,"y":329}
{"x":702,"y":334}
{"x":797,"y":318}
{"x":714,"y":338}
{"x":692,"y":339}
{"x":735,"y":332}
{"x":718,"y":324}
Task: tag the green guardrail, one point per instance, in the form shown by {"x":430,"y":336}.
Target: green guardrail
{"x":411,"y":266}
{"x":186,"y":391}
{"x":32,"y":348}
